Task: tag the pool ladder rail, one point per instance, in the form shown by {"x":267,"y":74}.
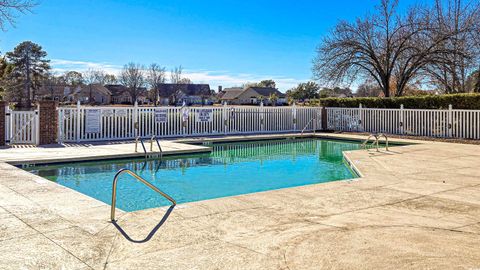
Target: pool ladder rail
{"x":377,"y":137}
{"x":314,"y":120}
{"x":151,"y":153}
{"x":136,"y":176}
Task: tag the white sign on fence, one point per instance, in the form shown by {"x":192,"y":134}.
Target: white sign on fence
{"x":204,"y":115}
{"x":121,"y":112}
{"x":92,"y":118}
{"x":107,"y":113}
{"x":161,"y":115}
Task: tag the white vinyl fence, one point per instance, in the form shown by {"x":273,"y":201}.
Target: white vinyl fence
{"x":448,"y":123}
{"x":21,"y":127}
{"x":81,"y":123}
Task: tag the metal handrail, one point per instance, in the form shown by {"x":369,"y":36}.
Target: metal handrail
{"x":114,"y":190}
{"x":386,"y":140}
{"x":138,"y":138}
{"x":158,"y":144}
{"x":364,"y":144}
{"x":376,"y":142}
{"x":308,"y":123}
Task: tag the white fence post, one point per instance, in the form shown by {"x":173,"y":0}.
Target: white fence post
{"x":36,"y":127}
{"x":294,"y":116}
{"x":136,"y":125}
{"x":12,"y":131}
{"x":79,"y":120}
{"x":360,"y":118}
{"x":450,"y":120}
{"x":185,"y":118}
{"x":60,"y":126}
{"x":262,"y":117}
{"x":402,"y":120}
{"x":224,"y":118}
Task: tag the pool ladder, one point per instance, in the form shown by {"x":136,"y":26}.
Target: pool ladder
{"x":136,"y":176}
{"x":314,"y":120}
{"x":377,"y":137}
{"x":150,"y":154}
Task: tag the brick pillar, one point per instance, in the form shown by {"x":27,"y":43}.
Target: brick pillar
{"x":3,"y":128}
{"x":48,"y":119}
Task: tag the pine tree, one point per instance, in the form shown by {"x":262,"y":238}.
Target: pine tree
{"x":29,"y":69}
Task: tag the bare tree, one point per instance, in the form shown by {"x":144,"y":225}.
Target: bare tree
{"x":387,"y":47}
{"x":155,"y":77}
{"x":185,"y":80}
{"x":368,"y":89}
{"x":109,"y":79}
{"x":367,"y":48}
{"x":133,"y":78}
{"x":9,"y":9}
{"x":176,"y":76}
{"x":461,"y":53}
{"x":50,"y":83}
{"x":72,"y":78}
{"x":92,"y":77}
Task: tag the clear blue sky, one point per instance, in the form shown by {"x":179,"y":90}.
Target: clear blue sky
{"x":218,"y":42}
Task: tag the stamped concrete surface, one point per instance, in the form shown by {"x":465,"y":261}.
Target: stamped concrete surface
{"x":416,"y":207}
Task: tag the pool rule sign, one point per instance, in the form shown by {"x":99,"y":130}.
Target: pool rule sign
{"x":161,"y":115}
{"x":204,"y":115}
{"x":92,"y":120}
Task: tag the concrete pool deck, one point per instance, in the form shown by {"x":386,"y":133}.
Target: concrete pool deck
{"x":91,"y":151}
{"x":416,"y":207}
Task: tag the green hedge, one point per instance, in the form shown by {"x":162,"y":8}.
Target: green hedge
{"x":458,"y":101}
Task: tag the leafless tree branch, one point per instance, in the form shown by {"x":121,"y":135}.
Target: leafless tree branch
{"x":9,"y":10}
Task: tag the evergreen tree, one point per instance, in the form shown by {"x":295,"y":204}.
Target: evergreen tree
{"x":29,"y":70}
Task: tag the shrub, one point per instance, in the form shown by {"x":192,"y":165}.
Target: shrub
{"x":458,"y":101}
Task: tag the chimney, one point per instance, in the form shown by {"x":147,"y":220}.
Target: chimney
{"x":220,"y":88}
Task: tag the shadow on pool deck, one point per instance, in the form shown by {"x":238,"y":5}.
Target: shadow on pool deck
{"x":152,"y":232}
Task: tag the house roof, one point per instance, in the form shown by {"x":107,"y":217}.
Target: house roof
{"x":231,"y":93}
{"x":267,"y":91}
{"x":58,"y":90}
{"x":116,"y":89}
{"x":168,"y":89}
{"x":85,"y":89}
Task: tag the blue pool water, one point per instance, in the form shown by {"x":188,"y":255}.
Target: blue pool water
{"x":231,"y":169}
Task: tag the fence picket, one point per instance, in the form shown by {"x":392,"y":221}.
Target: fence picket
{"x":21,"y":127}
{"x":118,"y":123}
{"x":418,"y":122}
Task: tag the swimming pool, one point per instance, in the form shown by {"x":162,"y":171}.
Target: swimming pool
{"x":231,"y":169}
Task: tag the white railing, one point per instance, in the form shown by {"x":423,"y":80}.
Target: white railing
{"x":21,"y":127}
{"x":449,"y":123}
{"x":82,"y":123}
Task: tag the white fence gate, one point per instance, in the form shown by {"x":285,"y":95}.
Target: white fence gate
{"x":449,"y":123}
{"x":81,"y":123}
{"x":22,"y":127}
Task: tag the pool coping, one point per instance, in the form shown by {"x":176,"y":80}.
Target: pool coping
{"x":85,"y":207}
{"x":197,"y":145}
{"x":82,"y":197}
